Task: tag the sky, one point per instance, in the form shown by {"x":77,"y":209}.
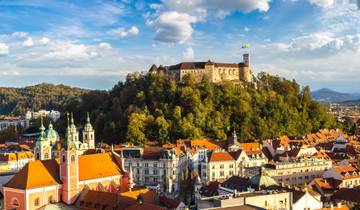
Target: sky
{"x":95,"y":43}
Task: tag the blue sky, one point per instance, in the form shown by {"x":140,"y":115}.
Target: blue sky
{"x":94,"y":44}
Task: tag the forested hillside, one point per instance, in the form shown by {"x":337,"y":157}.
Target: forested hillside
{"x":18,"y":100}
{"x":155,"y":107}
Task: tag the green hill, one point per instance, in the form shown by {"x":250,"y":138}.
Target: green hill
{"x":155,"y":107}
{"x":48,"y":96}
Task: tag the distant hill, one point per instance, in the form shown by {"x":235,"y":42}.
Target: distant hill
{"x":41,"y":96}
{"x":326,"y":95}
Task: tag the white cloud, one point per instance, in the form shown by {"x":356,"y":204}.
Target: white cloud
{"x":174,"y":19}
{"x":322,"y":3}
{"x":188,"y":53}
{"x":242,"y":5}
{"x":44,"y":41}
{"x":69,"y":51}
{"x":20,"y":34}
{"x":28,"y":42}
{"x":247,"y":29}
{"x":105,"y":46}
{"x":173,"y":27}
{"x":4,"y":49}
{"x":122,"y":32}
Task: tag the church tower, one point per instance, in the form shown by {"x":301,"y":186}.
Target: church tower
{"x":89,"y":133}
{"x":69,"y":169}
{"x":74,"y":133}
{"x":43,"y":146}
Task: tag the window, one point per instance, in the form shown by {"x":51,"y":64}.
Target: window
{"x":50,"y":199}
{"x":37,"y":202}
{"x":15,"y":202}
{"x":155,"y":164}
{"x":146,"y":164}
{"x":221,"y":173}
{"x":213,"y":167}
{"x":221,"y":165}
{"x":37,"y":156}
{"x":155,"y":179}
{"x":231,"y":166}
{"x":72,"y":158}
{"x":155,"y":172}
{"x":46,"y":155}
{"x":63,"y":158}
{"x":146,"y":171}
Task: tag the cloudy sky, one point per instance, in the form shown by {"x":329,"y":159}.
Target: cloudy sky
{"x":94,"y":44}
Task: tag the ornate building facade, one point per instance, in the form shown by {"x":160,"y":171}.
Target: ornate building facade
{"x":215,"y":72}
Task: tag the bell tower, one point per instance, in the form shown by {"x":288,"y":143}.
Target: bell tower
{"x":69,"y":168}
{"x":42,"y":147}
{"x":89,"y":133}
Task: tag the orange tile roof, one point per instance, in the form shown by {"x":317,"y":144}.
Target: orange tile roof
{"x":97,"y":165}
{"x":250,"y":146}
{"x":221,"y":156}
{"x":36,"y":174}
{"x":344,"y":169}
{"x":148,"y":195}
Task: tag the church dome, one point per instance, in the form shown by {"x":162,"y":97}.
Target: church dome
{"x":51,"y":133}
{"x":262,"y":181}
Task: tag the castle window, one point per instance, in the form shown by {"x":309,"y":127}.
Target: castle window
{"x":37,"y":202}
{"x":63,"y":158}
{"x":72,"y":158}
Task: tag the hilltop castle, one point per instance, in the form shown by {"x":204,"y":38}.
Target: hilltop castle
{"x":216,"y":72}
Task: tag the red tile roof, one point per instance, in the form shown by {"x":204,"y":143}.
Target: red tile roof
{"x":221,"y":156}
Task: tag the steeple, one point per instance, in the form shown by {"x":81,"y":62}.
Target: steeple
{"x":42,"y":147}
{"x":69,"y":166}
{"x":89,"y":133}
{"x":68,"y":144}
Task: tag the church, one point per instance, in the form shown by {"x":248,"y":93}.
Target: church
{"x":49,"y":180}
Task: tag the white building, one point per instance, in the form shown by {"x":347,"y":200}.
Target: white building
{"x":156,"y":167}
{"x":53,"y":114}
{"x":6,"y":121}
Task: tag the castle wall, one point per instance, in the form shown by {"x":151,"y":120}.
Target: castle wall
{"x":221,"y":74}
{"x":197,"y":73}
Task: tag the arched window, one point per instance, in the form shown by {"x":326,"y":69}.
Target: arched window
{"x":72,"y":158}
{"x":63,"y":159}
{"x":37,"y":156}
{"x":86,"y":136}
{"x":15,"y":202}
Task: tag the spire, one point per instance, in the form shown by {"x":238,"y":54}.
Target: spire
{"x":72,"y":119}
{"x":50,"y":125}
{"x":68,"y":143}
{"x":87,"y":117}
{"x":42,"y":128}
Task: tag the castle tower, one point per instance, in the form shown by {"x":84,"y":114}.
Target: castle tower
{"x":74,"y":133}
{"x":42,"y":147}
{"x":69,"y":169}
{"x":89,"y":133}
{"x":245,"y":72}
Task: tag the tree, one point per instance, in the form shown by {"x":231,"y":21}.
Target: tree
{"x":136,"y":129}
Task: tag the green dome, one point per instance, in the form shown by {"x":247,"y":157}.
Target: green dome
{"x":51,"y":133}
{"x":262,"y":181}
